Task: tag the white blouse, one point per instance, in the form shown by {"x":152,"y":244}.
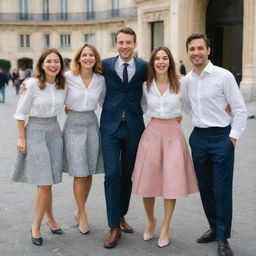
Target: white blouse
{"x":35,"y":102}
{"x":79,"y":98}
{"x":163,"y":106}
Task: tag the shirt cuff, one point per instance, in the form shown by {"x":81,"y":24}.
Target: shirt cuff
{"x":234,"y":134}
{"x":20,"y":117}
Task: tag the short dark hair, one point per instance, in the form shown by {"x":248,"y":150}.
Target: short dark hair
{"x":126,"y":30}
{"x":198,"y":36}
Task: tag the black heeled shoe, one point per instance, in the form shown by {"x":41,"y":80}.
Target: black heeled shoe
{"x":36,"y":241}
{"x":58,"y":231}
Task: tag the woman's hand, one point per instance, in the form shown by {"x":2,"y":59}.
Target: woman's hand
{"x":21,"y":145}
{"x":179,"y":119}
{"x":23,"y":86}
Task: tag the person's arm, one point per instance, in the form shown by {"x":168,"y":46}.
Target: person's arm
{"x":143,"y":101}
{"x":185,"y":103}
{"x":21,"y":114}
{"x":102,"y":94}
{"x":236,"y":102}
{"x":21,"y":143}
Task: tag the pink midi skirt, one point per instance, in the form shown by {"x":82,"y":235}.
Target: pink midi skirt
{"x":163,"y":164}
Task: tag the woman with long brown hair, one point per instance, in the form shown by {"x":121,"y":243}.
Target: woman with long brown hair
{"x":40,"y":143}
{"x":163,"y":164}
{"x":83,"y":157}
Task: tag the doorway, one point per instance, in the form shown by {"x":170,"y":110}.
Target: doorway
{"x":224,"y":27}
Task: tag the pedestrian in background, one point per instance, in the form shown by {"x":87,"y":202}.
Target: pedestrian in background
{"x":40,"y":145}
{"x":82,"y":145}
{"x":163,"y":164}
{"x":182,"y":68}
{"x":15,"y":80}
{"x":3,"y":83}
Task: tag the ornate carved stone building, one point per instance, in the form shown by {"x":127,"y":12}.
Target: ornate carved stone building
{"x":29,"y":26}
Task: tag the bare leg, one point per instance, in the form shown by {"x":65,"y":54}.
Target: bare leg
{"x":43,"y":196}
{"x":81,"y":188}
{"x":49,"y":214}
{"x":149,"y":203}
{"x":169,"y":205}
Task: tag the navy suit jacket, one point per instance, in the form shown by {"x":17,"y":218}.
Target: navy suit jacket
{"x":120,"y":98}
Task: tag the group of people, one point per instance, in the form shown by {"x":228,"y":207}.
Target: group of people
{"x":149,"y":162}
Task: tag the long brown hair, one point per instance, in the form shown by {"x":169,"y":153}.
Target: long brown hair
{"x":76,"y":66}
{"x":172,"y":76}
{"x":40,"y":73}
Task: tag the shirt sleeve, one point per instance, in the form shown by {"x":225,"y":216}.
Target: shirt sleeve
{"x":185,"y":103}
{"x":103,"y":93}
{"x":25,"y":101}
{"x":143,"y":102}
{"x":236,"y":101}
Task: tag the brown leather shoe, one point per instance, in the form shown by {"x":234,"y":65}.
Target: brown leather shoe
{"x":114,"y":234}
{"x":124,"y":226}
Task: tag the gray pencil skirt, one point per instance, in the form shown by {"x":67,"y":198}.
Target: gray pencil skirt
{"x":42,"y":164}
{"x":82,"y":146}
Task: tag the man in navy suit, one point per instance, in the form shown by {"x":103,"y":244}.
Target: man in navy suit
{"x":121,"y":127}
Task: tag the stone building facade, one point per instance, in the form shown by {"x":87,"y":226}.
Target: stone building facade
{"x":29,"y":26}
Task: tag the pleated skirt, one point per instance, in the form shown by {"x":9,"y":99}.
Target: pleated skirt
{"x":82,"y":145}
{"x":163,"y":164}
{"x":42,"y":164}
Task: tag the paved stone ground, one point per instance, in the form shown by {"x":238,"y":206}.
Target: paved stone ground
{"x":17,"y":200}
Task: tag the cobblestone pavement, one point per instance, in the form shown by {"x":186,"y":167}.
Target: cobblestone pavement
{"x":17,"y":200}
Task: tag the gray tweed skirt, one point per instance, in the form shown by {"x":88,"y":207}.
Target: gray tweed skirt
{"x":42,"y":164}
{"x":82,"y":146}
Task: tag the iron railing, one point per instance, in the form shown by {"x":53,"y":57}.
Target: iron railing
{"x":69,"y":17}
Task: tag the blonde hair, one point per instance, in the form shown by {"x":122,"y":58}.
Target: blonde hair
{"x":76,"y":66}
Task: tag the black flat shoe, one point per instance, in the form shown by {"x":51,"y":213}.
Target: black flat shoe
{"x":207,"y":237}
{"x":224,"y":248}
{"x":36,"y":241}
{"x":58,"y":231}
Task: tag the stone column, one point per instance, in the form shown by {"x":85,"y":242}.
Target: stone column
{"x":248,"y":83}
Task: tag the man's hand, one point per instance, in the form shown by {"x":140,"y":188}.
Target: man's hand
{"x":66,"y":109}
{"x":233,"y":140}
{"x":228,"y":110}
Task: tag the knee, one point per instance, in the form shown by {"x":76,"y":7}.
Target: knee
{"x":45,"y":189}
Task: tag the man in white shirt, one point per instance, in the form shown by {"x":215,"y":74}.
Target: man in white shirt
{"x":209,"y":90}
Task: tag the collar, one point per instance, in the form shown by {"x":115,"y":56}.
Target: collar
{"x":120,"y":62}
{"x":207,"y":70}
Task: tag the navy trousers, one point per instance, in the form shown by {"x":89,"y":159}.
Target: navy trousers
{"x":119,"y":154}
{"x":213,"y":158}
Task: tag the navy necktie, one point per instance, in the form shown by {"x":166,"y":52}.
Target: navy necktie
{"x":125,"y":75}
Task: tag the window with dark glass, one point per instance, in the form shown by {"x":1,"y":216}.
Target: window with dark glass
{"x":89,"y":38}
{"x":157,"y":31}
{"x":65,"y":41}
{"x":113,"y":40}
{"x":45,"y":9}
{"x":90,"y":9}
{"x":64,"y":9}
{"x":46,"y":41}
{"x":24,"y":41}
{"x":23,"y":9}
{"x":115,"y":8}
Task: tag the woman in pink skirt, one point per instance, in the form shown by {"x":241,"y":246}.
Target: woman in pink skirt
{"x":163,"y":164}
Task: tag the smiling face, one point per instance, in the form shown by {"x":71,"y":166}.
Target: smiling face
{"x":198,"y":53}
{"x":125,"y":45}
{"x":161,"y":62}
{"x":87,"y":58}
{"x":51,"y":66}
